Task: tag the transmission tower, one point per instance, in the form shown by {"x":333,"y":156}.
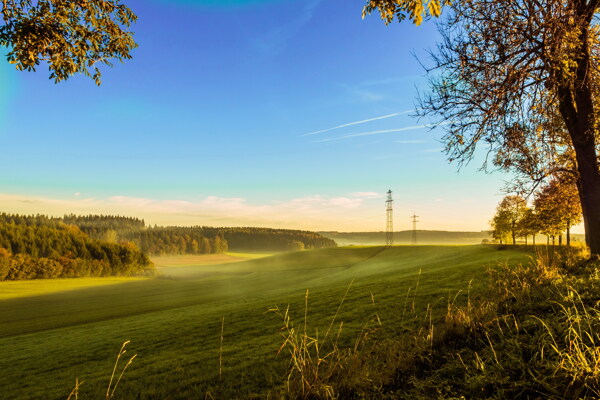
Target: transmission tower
{"x":389,"y":224}
{"x":414,"y":232}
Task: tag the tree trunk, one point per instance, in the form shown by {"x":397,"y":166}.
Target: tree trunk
{"x":525,"y":240}
{"x":533,"y":239}
{"x":560,"y":239}
{"x":568,"y":234}
{"x":553,"y":240}
{"x":577,"y":110}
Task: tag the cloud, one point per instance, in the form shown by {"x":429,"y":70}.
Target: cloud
{"x":314,"y":212}
{"x":382,"y":131}
{"x":356,"y":123}
{"x":378,"y":132}
{"x":356,"y":211}
{"x":368,"y":195}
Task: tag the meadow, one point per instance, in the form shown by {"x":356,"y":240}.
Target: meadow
{"x":56,"y":331}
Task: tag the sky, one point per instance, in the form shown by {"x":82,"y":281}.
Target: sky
{"x":281,"y":113}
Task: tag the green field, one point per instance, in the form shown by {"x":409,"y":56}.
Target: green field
{"x":55,"y":331}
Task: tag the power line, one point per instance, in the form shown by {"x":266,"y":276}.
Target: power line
{"x":414,"y":232}
{"x":389,"y":224}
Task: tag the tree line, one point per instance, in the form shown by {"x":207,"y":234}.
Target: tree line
{"x":554,"y":210}
{"x":251,"y":238}
{"x":37,"y":247}
{"x":157,"y":240}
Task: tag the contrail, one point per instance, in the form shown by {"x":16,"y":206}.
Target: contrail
{"x":356,"y":123}
{"x":407,"y":128}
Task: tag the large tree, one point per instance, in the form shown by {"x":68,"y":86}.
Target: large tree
{"x":70,"y":36}
{"x":519,"y":77}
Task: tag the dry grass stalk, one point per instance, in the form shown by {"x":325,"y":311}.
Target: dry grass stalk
{"x":74,"y":395}
{"x":110,"y":391}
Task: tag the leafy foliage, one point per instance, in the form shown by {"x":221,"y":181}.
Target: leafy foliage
{"x":558,"y":207}
{"x":509,"y":213}
{"x":70,"y":36}
{"x":415,"y":10}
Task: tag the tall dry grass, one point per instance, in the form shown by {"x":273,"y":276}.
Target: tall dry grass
{"x":533,"y":332}
{"x":113,"y":383}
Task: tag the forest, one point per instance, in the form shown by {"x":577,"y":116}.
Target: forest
{"x":157,"y":240}
{"x":37,"y":247}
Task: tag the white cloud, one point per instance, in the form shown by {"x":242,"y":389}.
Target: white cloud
{"x":356,"y":123}
{"x":378,"y":132}
{"x":368,"y":195}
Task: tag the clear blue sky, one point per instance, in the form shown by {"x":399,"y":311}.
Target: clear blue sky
{"x":210,"y":123}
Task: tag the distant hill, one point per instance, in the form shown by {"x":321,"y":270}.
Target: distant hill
{"x":405,"y":237}
{"x":423,"y":237}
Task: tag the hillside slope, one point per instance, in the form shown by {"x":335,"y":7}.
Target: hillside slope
{"x":174,"y":322}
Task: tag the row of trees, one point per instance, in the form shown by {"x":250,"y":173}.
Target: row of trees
{"x":556,"y":208}
{"x":196,"y":239}
{"x":251,"y":238}
{"x":176,"y":240}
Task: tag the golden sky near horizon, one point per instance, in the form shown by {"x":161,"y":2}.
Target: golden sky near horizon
{"x":359,"y":211}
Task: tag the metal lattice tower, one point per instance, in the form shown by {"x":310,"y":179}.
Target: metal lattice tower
{"x":414,"y":232}
{"x":389,"y":224}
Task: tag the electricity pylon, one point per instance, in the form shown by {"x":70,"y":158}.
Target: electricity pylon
{"x":389,"y":224}
{"x":414,"y":232}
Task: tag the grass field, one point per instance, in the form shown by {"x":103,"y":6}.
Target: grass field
{"x":53,"y":332}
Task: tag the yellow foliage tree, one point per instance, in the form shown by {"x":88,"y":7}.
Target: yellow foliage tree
{"x":71,"y":36}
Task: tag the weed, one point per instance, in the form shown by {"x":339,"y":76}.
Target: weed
{"x":110,"y":391}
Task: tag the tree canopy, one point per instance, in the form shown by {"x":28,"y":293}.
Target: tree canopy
{"x":558,"y":207}
{"x":521,"y":78}
{"x":70,"y":36}
{"x":415,"y":10}
{"x":506,"y":222}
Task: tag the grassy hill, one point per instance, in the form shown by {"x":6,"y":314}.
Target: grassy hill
{"x":55,"y":331}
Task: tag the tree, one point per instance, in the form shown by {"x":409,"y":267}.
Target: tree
{"x":509,"y":213}
{"x":71,"y":36}
{"x":295,"y":245}
{"x":557,"y":205}
{"x":514,"y":75}
{"x":501,"y":226}
{"x":529,"y":225}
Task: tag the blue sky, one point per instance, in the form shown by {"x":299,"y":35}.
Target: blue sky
{"x":213,"y":122}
